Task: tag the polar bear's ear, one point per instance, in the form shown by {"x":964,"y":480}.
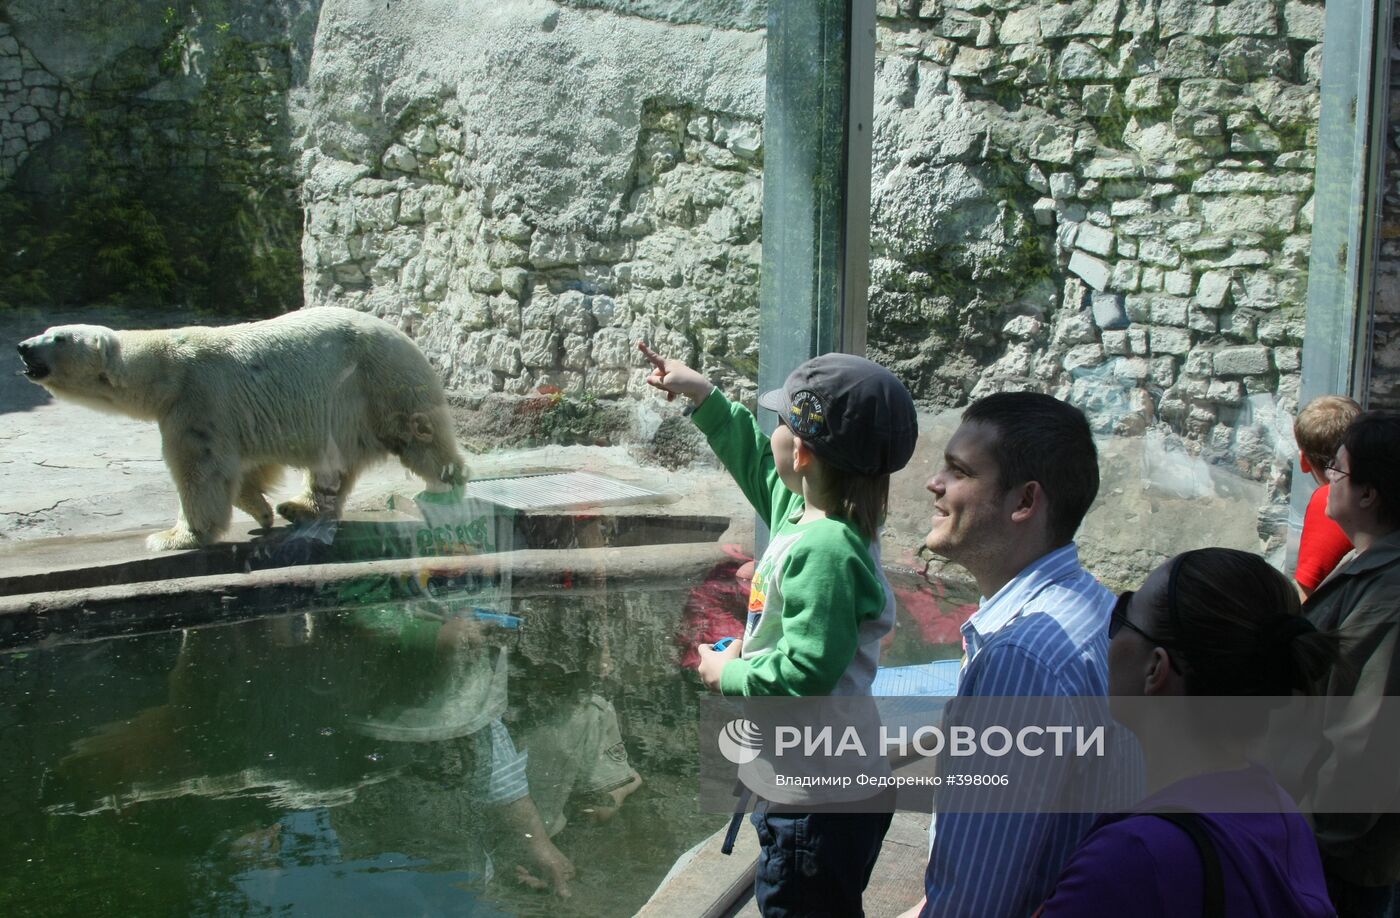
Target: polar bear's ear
{"x":108,"y":355}
{"x":108,"y":348}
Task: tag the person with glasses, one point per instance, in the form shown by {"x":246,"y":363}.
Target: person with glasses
{"x":1361,"y":600}
{"x":1209,"y":622}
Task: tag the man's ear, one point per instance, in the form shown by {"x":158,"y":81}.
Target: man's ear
{"x":1030,"y":500}
{"x":1304,"y":464}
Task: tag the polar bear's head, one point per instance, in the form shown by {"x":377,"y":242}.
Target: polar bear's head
{"x":72,"y":360}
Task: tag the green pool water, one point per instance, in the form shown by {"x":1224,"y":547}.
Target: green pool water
{"x":333,"y":763}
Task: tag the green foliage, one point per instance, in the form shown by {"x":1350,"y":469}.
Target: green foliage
{"x":26,"y":258}
{"x":105,"y":245}
{"x":130,"y":256}
{"x":163,"y":203}
{"x":571,"y":421}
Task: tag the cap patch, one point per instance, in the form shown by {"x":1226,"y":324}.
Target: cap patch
{"x":807,"y":416}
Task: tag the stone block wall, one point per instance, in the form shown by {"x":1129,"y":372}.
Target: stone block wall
{"x":529,"y":213}
{"x":505,"y":304}
{"x":35,"y":104}
{"x":1109,"y":201}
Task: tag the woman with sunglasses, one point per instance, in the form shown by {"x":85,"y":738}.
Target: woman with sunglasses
{"x":1210,"y":622}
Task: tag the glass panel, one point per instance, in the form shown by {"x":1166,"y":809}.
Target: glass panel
{"x":1342,"y":263}
{"x":252,"y":714}
{"x":805,"y":189}
{"x":1385,"y":355}
{"x":1110,"y":202}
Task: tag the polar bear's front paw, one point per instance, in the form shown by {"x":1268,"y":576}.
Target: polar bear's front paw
{"x":262,"y":514}
{"x":299,"y":510}
{"x":177,"y":539}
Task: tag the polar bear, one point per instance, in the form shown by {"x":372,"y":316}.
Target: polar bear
{"x":327,"y":390}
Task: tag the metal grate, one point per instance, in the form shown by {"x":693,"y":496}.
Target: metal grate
{"x":564,"y":490}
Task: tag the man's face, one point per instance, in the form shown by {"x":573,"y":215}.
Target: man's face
{"x":1343,"y":497}
{"x":971,"y":513}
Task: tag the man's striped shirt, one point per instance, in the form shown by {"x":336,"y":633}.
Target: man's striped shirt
{"x":1045,"y":633}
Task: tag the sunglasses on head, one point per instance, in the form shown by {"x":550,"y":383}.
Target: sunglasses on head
{"x":1118,"y":618}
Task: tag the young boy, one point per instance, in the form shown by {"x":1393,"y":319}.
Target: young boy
{"x":1318,"y":430}
{"x":819,"y":603}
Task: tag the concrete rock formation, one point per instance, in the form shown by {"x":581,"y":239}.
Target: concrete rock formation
{"x":1108,"y":201}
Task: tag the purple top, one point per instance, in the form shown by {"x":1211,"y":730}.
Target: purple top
{"x":1141,"y":865}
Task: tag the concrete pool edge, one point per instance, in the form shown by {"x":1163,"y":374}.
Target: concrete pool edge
{"x":707,"y":884}
{"x":92,"y":613}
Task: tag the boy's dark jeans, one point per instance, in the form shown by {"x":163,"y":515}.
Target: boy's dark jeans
{"x":815,"y":863}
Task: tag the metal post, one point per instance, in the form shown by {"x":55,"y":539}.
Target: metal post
{"x":1347,"y":202}
{"x":816,"y":182}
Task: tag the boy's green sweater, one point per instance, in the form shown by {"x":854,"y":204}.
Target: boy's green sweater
{"x":815,"y":586}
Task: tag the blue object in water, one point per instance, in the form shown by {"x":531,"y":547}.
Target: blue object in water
{"x":503,"y":619}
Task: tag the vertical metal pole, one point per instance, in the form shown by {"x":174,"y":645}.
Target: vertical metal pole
{"x":1347,"y":202}
{"x":816,"y":182}
{"x":859,"y":131}
{"x":1350,"y":157}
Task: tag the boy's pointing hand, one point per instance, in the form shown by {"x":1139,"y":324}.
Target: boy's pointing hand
{"x":675,"y":378}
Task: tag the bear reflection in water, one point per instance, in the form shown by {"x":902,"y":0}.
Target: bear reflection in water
{"x":380,"y":728}
{"x":327,"y":390}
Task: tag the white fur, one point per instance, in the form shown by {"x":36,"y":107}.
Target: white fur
{"x":327,"y":390}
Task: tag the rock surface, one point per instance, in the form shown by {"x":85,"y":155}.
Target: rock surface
{"x":1131,"y":179}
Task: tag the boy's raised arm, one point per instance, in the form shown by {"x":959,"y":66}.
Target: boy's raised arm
{"x":729,"y":428}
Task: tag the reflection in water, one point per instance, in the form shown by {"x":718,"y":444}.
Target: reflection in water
{"x":360,"y":757}
{"x":303,"y":869}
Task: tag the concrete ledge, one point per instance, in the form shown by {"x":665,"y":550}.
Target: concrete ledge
{"x":705,"y":882}
{"x":96,"y":612}
{"x":897,"y":883}
{"x":110,"y":559}
{"x":708,"y":884}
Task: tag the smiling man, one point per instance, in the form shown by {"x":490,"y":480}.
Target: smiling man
{"x":1018,"y":476}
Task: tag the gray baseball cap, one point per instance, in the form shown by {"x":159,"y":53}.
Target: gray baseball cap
{"x":853,"y":412}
